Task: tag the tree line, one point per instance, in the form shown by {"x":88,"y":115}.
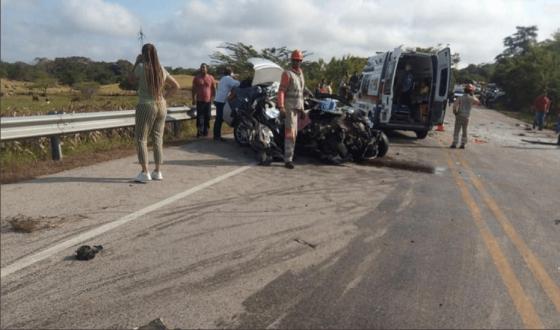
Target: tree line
{"x":523,"y":69}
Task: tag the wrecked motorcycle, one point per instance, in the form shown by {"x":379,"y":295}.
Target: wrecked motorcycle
{"x":336,"y":132}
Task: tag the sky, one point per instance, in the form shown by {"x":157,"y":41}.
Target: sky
{"x":186,"y":32}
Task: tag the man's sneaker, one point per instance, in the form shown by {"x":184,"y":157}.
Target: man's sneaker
{"x":289,"y":165}
{"x":143,"y":177}
{"x":453,"y":146}
{"x":157,"y":175}
{"x":462,"y":146}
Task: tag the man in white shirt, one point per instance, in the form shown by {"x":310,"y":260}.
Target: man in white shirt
{"x":225,"y":85}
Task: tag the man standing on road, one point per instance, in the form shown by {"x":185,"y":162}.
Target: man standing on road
{"x":462,"y":110}
{"x":541,"y":105}
{"x":226,"y":84}
{"x":290,"y":103}
{"x":203,"y":90}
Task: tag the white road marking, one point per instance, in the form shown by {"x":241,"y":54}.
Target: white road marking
{"x":29,"y":260}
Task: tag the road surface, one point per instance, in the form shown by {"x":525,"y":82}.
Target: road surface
{"x":428,"y":238}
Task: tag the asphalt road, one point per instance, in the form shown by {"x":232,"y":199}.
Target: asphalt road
{"x":429,"y":238}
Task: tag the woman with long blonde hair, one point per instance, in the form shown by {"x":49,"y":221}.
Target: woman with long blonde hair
{"x":151,"y":110}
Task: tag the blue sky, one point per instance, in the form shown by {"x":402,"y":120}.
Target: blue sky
{"x":187,"y":32}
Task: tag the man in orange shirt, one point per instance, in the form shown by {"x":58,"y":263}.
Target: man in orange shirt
{"x":290,"y":103}
{"x":203,"y":90}
{"x":541,"y":106}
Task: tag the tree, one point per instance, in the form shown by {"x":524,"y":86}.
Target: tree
{"x":44,"y":83}
{"x":236,"y":56}
{"x":519,"y":42}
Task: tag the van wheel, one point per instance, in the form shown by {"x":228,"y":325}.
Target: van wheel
{"x":421,"y":134}
{"x":382,"y":145}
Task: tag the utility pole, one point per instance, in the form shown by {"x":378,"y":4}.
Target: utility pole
{"x":141,"y":36}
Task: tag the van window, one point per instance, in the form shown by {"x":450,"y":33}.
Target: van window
{"x":389,"y":77}
{"x":365,"y":85}
{"x":443,"y":82}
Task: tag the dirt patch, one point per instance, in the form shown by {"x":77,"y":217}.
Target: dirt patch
{"x":10,"y":174}
{"x":25,"y":224}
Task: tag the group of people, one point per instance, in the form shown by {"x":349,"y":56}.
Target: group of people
{"x":203,"y":91}
{"x":462,"y":110}
{"x":155,"y":85}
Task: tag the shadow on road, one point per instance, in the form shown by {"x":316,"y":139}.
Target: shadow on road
{"x":64,"y":179}
{"x":401,"y":165}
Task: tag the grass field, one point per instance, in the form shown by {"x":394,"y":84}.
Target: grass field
{"x":18,"y":98}
{"x":24,"y":159}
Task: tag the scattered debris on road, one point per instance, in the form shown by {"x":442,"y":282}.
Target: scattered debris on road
{"x":156,"y":324}
{"x":300,"y":241}
{"x":24,"y":224}
{"x":86,"y":252}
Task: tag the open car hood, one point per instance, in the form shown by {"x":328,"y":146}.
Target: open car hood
{"x":266,"y":71}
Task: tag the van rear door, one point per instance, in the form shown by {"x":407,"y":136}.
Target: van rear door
{"x":388,"y":82}
{"x":443,"y":75}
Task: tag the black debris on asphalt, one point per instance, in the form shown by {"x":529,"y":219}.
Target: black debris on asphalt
{"x":86,"y":252}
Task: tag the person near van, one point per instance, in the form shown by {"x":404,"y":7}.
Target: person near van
{"x":290,"y":104}
{"x":558,"y":126}
{"x":354,"y":82}
{"x":328,"y":88}
{"x":343,"y":87}
{"x":462,"y":110}
{"x":406,"y":86}
{"x":541,"y":105}
{"x":203,"y":90}
{"x":151,"y":110}
{"x":321,"y":87}
{"x":226,"y":84}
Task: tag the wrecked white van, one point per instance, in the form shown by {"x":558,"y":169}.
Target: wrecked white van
{"x":405,"y":90}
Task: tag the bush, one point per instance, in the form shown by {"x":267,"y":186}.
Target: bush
{"x":87,"y":89}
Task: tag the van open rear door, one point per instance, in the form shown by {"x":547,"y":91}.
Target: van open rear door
{"x":388,"y":85}
{"x":443,"y":76}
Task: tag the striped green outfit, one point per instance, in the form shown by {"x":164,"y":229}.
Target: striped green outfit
{"x":149,"y":119}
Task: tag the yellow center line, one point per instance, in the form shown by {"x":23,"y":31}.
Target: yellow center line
{"x":521,"y":301}
{"x":534,"y":264}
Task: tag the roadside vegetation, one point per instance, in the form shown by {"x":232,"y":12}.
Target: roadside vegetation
{"x":78,"y":84}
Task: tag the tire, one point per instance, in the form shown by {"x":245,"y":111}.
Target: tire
{"x":421,"y":134}
{"x":382,"y":145}
{"x":241,"y":134}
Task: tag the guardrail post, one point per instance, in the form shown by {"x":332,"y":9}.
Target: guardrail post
{"x":56,"y":149}
{"x":177,"y":127}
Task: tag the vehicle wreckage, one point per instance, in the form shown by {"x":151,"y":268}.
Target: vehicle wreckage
{"x":331,"y":130}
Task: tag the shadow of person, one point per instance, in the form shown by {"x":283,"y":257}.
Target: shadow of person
{"x":63,"y":179}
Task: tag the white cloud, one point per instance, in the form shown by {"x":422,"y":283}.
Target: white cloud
{"x":98,"y":16}
{"x":186,"y":33}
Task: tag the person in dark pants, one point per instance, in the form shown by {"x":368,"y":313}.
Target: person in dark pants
{"x":203,"y":90}
{"x":226,"y":84}
{"x":541,"y":106}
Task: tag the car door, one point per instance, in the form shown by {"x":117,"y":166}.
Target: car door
{"x":388,"y":85}
{"x":443,"y":76}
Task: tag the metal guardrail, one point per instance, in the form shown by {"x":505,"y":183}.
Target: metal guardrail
{"x":13,"y":128}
